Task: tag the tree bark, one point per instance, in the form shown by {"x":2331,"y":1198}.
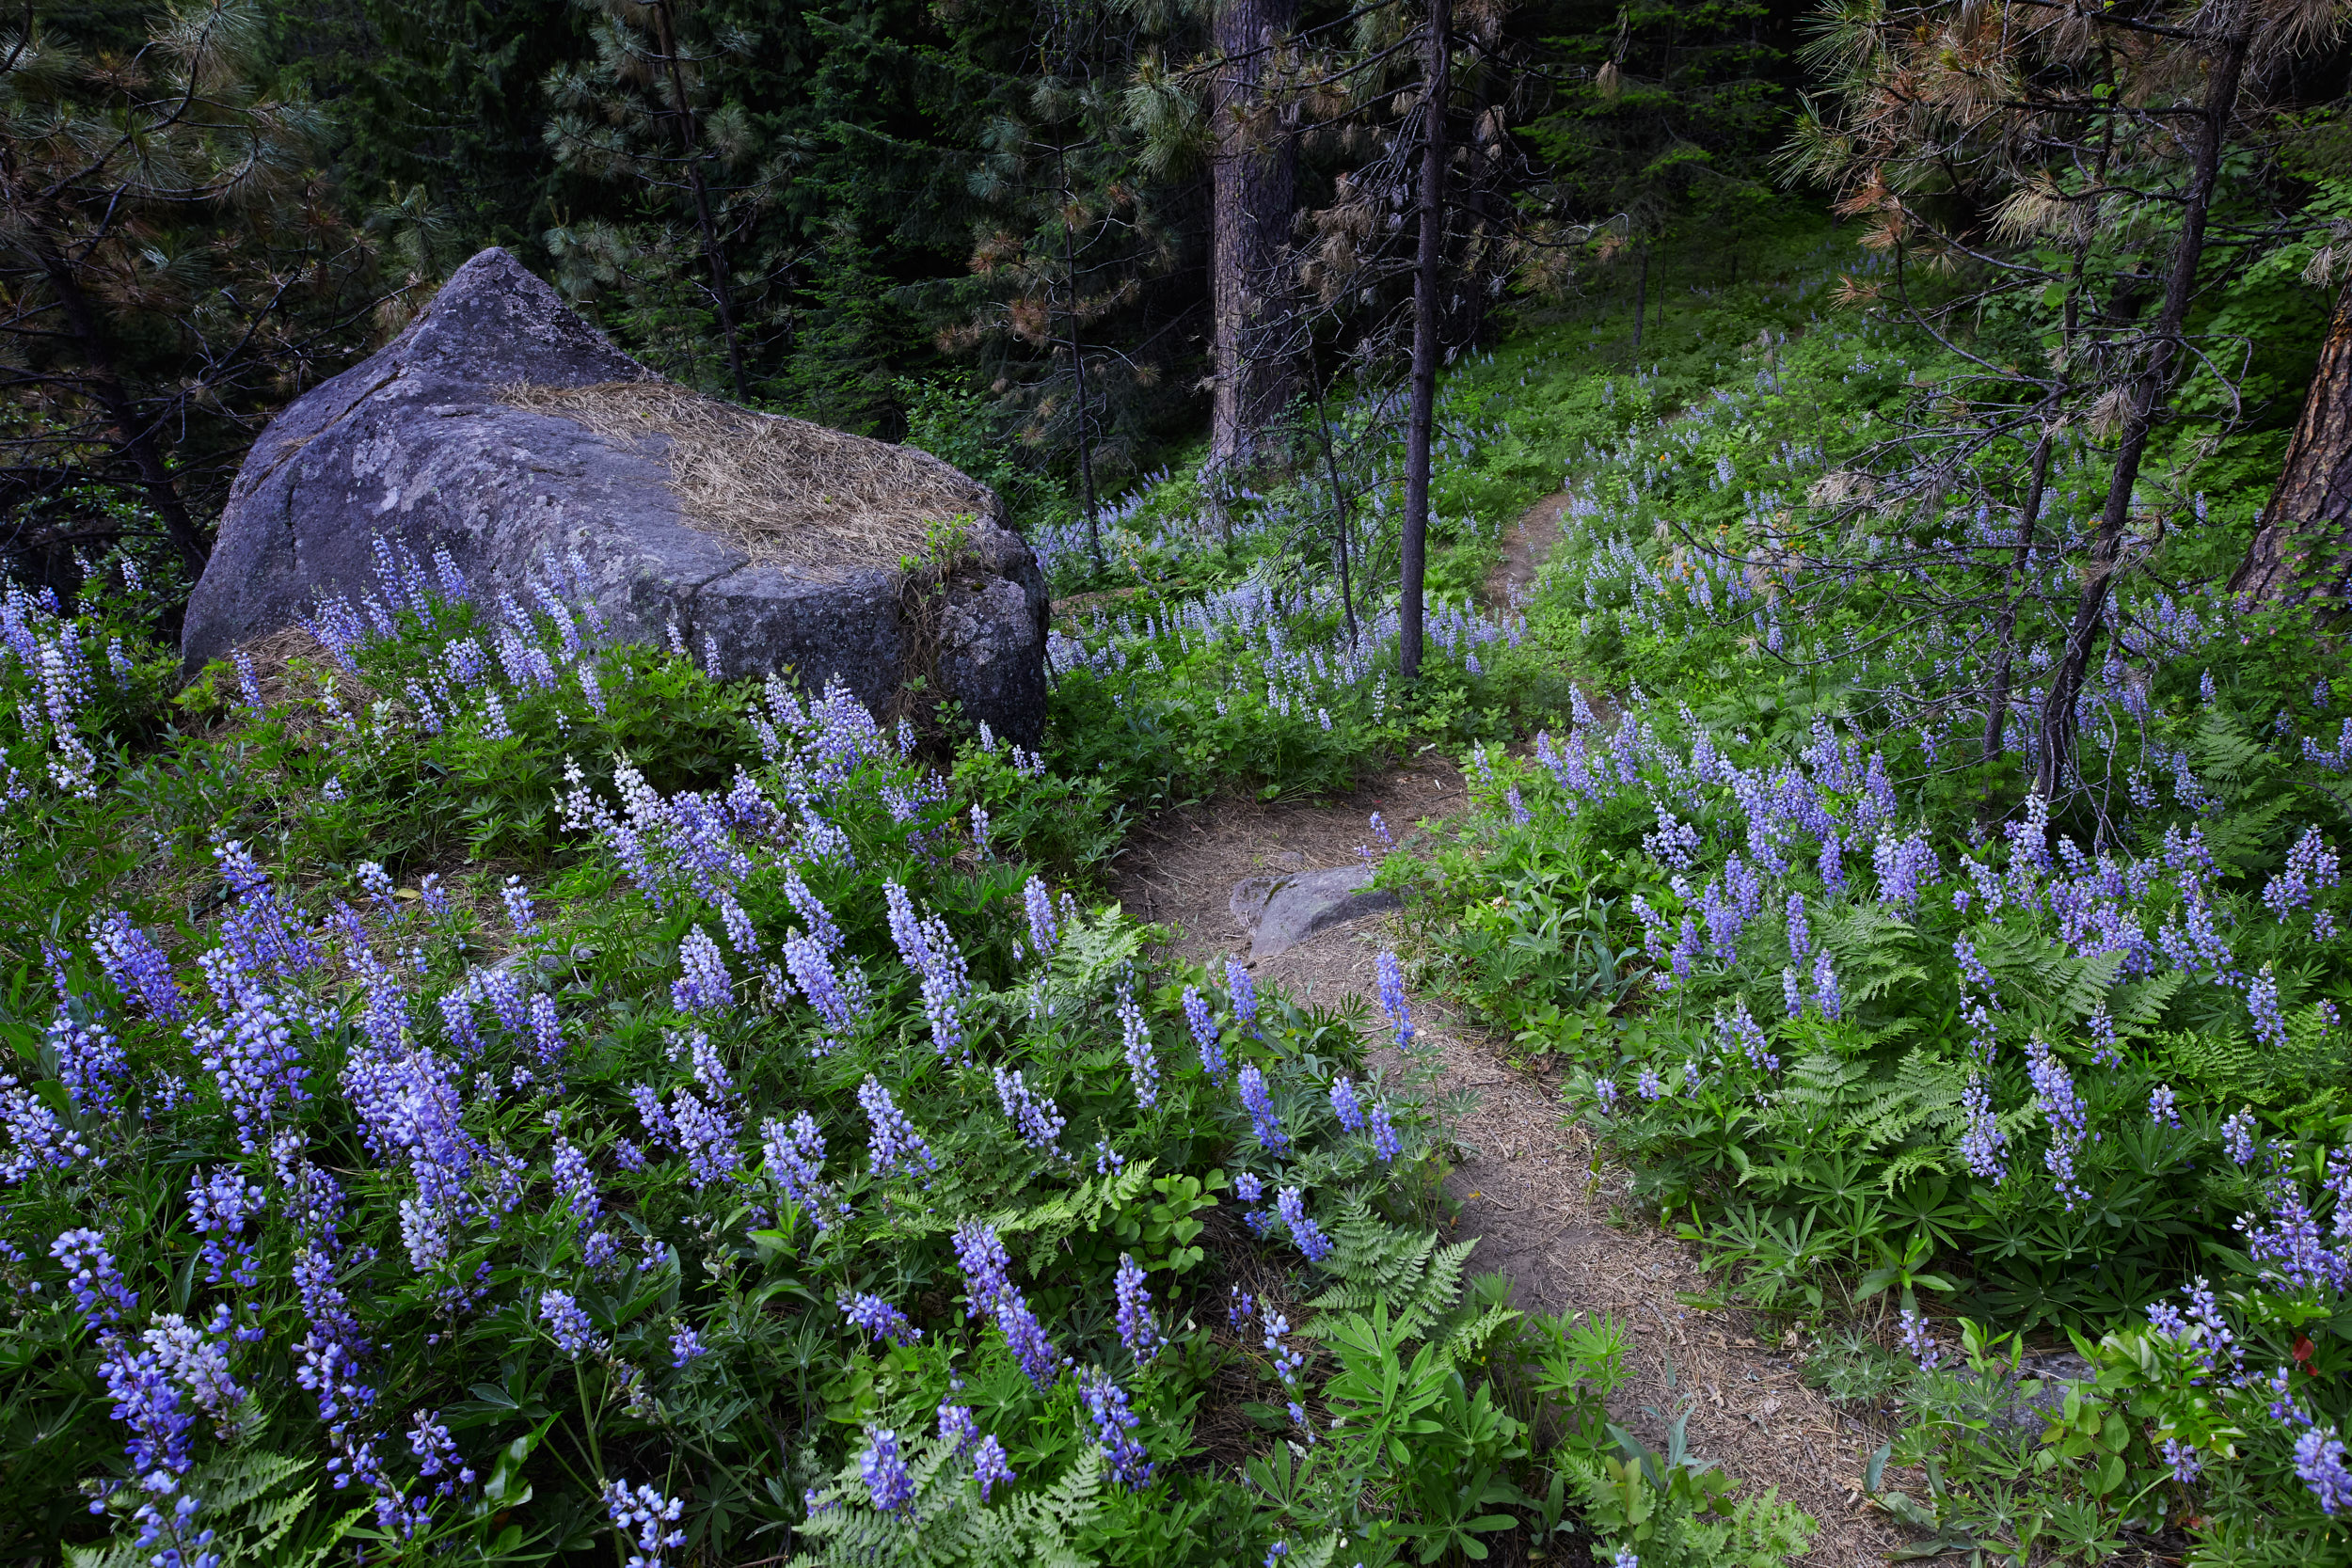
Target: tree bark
{"x":1255,"y":188}
{"x":2056,"y":737}
{"x":1078,"y":365}
{"x":136,"y":437}
{"x":2308,"y":523}
{"x":714,"y":251}
{"x":1414,"y":544}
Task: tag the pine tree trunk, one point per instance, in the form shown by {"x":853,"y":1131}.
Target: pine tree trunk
{"x":714,"y":250}
{"x":1414,"y":544}
{"x":1255,"y":180}
{"x":2308,"y":524}
{"x":2056,"y":737}
{"x":134,"y":436}
{"x":1078,"y":365}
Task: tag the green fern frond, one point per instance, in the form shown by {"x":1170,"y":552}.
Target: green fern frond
{"x":1373,"y":1260}
{"x":946,"y":1522}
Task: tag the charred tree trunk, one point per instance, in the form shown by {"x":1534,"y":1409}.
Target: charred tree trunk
{"x":2147,"y":393}
{"x":1427,"y":304}
{"x":1255,"y":176}
{"x":2305,"y":531}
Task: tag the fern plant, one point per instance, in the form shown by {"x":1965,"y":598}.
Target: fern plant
{"x":945,"y":1522}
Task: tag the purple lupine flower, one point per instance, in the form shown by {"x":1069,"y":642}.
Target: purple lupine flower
{"x":1292,"y":1205}
{"x":1385,"y":1142}
{"x":91,"y":1063}
{"x":1800,"y":933}
{"x":436,"y":1452}
{"x":708,"y":1133}
{"x":1205,"y":1034}
{"x":686,"y":1346}
{"x":1918,"y":1341}
{"x":1392,"y":1003}
{"x":1259,"y":1102}
{"x":894,"y":1144}
{"x":1243,"y":994}
{"x":250,"y":1051}
{"x":988,"y":1282}
{"x":1380,"y":832}
{"x":2183,"y":1457}
{"x":547,"y":1032}
{"x":812,"y":971}
{"x":1792,"y":992}
{"x":220,"y":1208}
{"x":1605,"y":1095}
{"x":518,"y":910}
{"x":1649,"y":1086}
{"x":1114,"y":1429}
{"x":2062,"y":1108}
{"x":1345,"y":1106}
{"x":987,"y":1266}
{"x":957,"y":1426}
{"x":1972,"y":970}
{"x":1980,"y":1144}
{"x":2311,"y":865}
{"x":1135,"y":1034}
{"x":2201,"y":1331}
{"x":1137,"y":1329}
{"x":147,"y":1400}
{"x":1741,"y":1033}
{"x":979,"y":830}
{"x":795,"y":1162}
{"x":2101,"y":1026}
{"x":1825,"y":992}
{"x":931,"y":951}
{"x":2262,"y":1001}
{"x":91,"y":1275}
{"x":811,"y":909}
{"x":1240,"y":1308}
{"x":706,"y":986}
{"x":574,"y":1334}
{"x":2161,"y":1106}
{"x":2238,"y":1136}
{"x":1033,"y":1116}
{"x":2319,"y":1465}
{"x":1287,"y":1362}
{"x":641,"y":1517}
{"x":990,"y":1466}
{"x":1043,"y":931}
{"x":137,"y":967}
{"x":878,"y":1318}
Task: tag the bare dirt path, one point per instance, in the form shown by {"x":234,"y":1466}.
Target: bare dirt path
{"x":1512,"y":581}
{"x":1542,"y":1209}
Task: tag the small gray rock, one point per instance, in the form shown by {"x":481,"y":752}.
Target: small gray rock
{"x":505,"y":430}
{"x":1279,"y":913}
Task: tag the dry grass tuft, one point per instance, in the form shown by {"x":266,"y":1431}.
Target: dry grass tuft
{"x":816,"y":502}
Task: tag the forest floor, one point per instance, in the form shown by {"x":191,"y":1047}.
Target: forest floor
{"x":1543,"y":1206}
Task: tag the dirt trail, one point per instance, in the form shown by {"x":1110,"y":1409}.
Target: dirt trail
{"x":1512,"y":581}
{"x":1540,"y":1205}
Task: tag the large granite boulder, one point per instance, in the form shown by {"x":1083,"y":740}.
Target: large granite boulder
{"x":505,"y":430}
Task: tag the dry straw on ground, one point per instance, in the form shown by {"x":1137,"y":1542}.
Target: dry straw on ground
{"x":816,"y":502}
